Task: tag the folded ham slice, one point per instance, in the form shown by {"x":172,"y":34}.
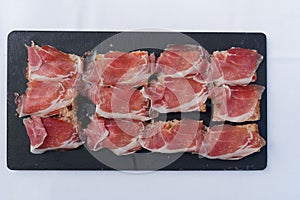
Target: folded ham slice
{"x":46,"y":98}
{"x":173,"y":136}
{"x":52,"y":133}
{"x":118,"y":68}
{"x":118,"y":135}
{"x":46,"y":63}
{"x":176,"y":95}
{"x":236,"y":66}
{"x":119,"y":102}
{"x":236,"y":103}
{"x":229,"y":142}
{"x":178,"y":61}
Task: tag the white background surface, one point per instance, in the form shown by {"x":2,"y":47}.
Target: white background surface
{"x":280,"y":21}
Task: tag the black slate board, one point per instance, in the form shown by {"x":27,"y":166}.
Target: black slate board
{"x":18,"y":155}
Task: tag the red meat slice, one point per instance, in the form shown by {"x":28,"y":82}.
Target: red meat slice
{"x":236,"y":103}
{"x":44,"y":98}
{"x":181,"y":60}
{"x":46,"y":63}
{"x":119,"y":102}
{"x":229,"y":142}
{"x":51,"y":133}
{"x":176,"y":95}
{"x":237,"y":65}
{"x":119,"y":68}
{"x":118,"y":135}
{"x":173,"y":136}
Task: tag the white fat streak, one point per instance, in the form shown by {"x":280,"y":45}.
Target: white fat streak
{"x":104,"y":135}
{"x":244,"y":81}
{"x":193,"y":69}
{"x":138,"y":76}
{"x":78,"y":69}
{"x":126,"y":149}
{"x":165,"y":149}
{"x":133,"y":115}
{"x":55,"y":105}
{"x":241,"y":152}
{"x":200,"y":97}
{"x":69,"y":144}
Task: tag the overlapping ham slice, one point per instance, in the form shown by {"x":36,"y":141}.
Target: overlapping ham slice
{"x":118,"y":135}
{"x":236,"y":103}
{"x":173,"y":136}
{"x":236,"y":66}
{"x":46,"y":63}
{"x":179,"y":61}
{"x":119,"y":102}
{"x":119,"y":68}
{"x":45,"y":98}
{"x":176,"y":94}
{"x":229,"y":142}
{"x":52,"y":133}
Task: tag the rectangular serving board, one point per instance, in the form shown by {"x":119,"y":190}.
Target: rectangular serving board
{"x":18,"y":154}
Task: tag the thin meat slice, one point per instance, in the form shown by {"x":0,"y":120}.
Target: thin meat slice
{"x":173,"y":136}
{"x":229,"y":142}
{"x":237,"y":65}
{"x":119,"y":102}
{"x":52,"y":133}
{"x":45,"y":98}
{"x":236,"y":103}
{"x":181,"y":60}
{"x":47,"y":63}
{"x":118,"y":135}
{"x":176,"y":94}
{"x":118,"y":68}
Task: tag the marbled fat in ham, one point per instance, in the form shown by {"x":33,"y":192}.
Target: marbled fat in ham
{"x":119,"y":102}
{"x":119,"y":68}
{"x":176,"y":94}
{"x":173,"y":136}
{"x":118,"y":135}
{"x":229,"y":142}
{"x":236,"y":103}
{"x":47,"y":63}
{"x":179,"y":61}
{"x":51,"y":133}
{"x":237,"y":66}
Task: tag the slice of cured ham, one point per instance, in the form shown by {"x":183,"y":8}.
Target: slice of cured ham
{"x":173,"y":136}
{"x":176,"y":95}
{"x":52,"y":133}
{"x":181,"y":60}
{"x":46,"y":63}
{"x":119,"y":102}
{"x":118,"y":135}
{"x":229,"y":142}
{"x":45,"y":98}
{"x":119,"y":68}
{"x":237,"y":66}
{"x":236,"y":103}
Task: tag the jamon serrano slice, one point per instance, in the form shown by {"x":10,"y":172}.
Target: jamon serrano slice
{"x":176,"y":95}
{"x":173,"y":136}
{"x":236,"y":65}
{"x":181,"y":60}
{"x":119,"y":102}
{"x":229,"y":142}
{"x":118,"y":68}
{"x":52,"y":133}
{"x":45,"y":98}
{"x":236,"y":103}
{"x":46,"y":63}
{"x":118,"y":135}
